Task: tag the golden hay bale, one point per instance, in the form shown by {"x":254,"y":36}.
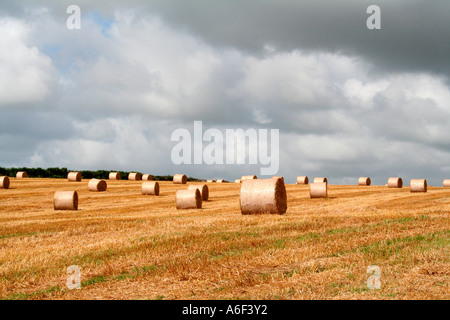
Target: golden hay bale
{"x":318,"y":190}
{"x":189,"y":199}
{"x":134,"y":176}
{"x":259,"y":196}
{"x":446,"y":183}
{"x":320,"y":179}
{"x":147,"y":177}
{"x":418,"y":185}
{"x":180,"y":179}
{"x":364,"y":181}
{"x":221,"y":181}
{"x":210,"y":180}
{"x":204,"y":191}
{"x":115,"y":176}
{"x":21,"y":174}
{"x":97,"y":185}
{"x":248,"y":177}
{"x":65,"y":200}
{"x":275,"y":177}
{"x":4,"y":182}
{"x":395,"y":182}
{"x":302,"y":180}
{"x":238,"y":181}
{"x":150,"y":188}
{"x":74,"y":176}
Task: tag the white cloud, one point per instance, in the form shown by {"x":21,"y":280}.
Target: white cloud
{"x":26,"y":74}
{"x":289,"y":77}
{"x":124,"y":144}
{"x":362,"y":95}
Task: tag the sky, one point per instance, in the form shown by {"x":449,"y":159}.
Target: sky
{"x":348,"y":101}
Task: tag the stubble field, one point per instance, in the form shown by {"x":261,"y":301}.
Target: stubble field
{"x":130,"y":246}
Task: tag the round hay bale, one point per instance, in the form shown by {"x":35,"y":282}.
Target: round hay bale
{"x":203,"y":188}
{"x":238,"y":181}
{"x":180,"y":179}
{"x":259,"y":196}
{"x":302,"y":180}
{"x":97,"y":185}
{"x":221,"y":181}
{"x":150,"y":188}
{"x":248,"y":177}
{"x":74,"y":176}
{"x":147,"y":177}
{"x":134,"y":176}
{"x":65,"y":200}
{"x":395,"y":182}
{"x":115,"y":176}
{"x":210,"y":181}
{"x":318,"y":190}
{"x":4,"y":182}
{"x":364,"y":181}
{"x":275,"y":177}
{"x":320,"y":179}
{"x":21,"y":175}
{"x":189,"y":199}
{"x":446,"y":183}
{"x":418,"y":185}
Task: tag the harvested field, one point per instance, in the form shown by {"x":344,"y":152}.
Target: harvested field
{"x":130,"y":246}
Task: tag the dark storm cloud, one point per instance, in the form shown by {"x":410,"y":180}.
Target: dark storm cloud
{"x":414,"y":33}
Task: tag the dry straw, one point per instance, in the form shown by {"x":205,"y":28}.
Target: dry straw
{"x":150,"y":188}
{"x":275,"y":177}
{"x":263,"y":196}
{"x":248,"y":177}
{"x":4,"y":182}
{"x":65,"y":200}
{"x":74,"y":176}
{"x":446,"y":183}
{"x":221,"y":181}
{"x":203,"y":188}
{"x":364,"y":181}
{"x":395,"y":182}
{"x":21,"y":174}
{"x":147,"y":177}
{"x":318,"y":190}
{"x":238,"y":181}
{"x":210,"y":180}
{"x":180,"y":179}
{"x":418,"y":185}
{"x":115,"y":176}
{"x":188,"y":199}
{"x":97,"y":185}
{"x":320,"y":179}
{"x":302,"y":180}
{"x":134,"y":176}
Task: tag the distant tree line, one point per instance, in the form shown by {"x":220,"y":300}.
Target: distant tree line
{"x":87,"y":174}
